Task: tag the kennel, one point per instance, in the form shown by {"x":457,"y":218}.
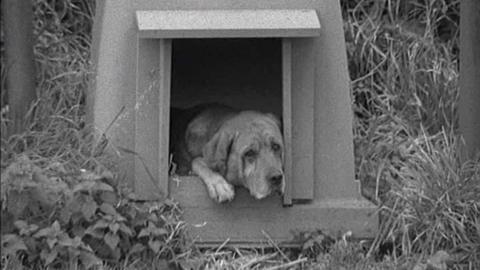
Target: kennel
{"x":285,"y":57}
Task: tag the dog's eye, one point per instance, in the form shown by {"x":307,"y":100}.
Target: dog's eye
{"x":250,"y":154}
{"x":276,"y":147}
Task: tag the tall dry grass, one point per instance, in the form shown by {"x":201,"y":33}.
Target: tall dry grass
{"x":404,"y":74}
{"x":56,"y":132}
{"x":403,"y":61}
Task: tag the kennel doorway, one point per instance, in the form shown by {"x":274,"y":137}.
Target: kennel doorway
{"x":251,"y":70}
{"x":138,"y":69}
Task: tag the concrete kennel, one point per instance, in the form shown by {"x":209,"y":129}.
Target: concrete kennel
{"x":285,"y":57}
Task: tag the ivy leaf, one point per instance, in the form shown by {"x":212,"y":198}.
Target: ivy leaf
{"x":17,"y":202}
{"x":163,"y":264}
{"x":51,"y":242}
{"x":308,"y":244}
{"x":89,"y":208}
{"x":191,"y":263}
{"x":125,"y":229}
{"x":89,"y":259}
{"x":92,"y":185}
{"x":114,"y":227}
{"x":73,"y":253}
{"x":65,"y":241}
{"x":72,"y":207}
{"x":133,"y":213}
{"x":75,"y":205}
{"x":21,"y":224}
{"x":100,"y":224}
{"x":77,"y":243}
{"x":56,"y":226}
{"x":43,"y":232}
{"x":51,"y":231}
{"x":153,"y":217}
{"x":100,"y":186}
{"x":50,"y":256}
{"x":25,"y":228}
{"x":65,"y":215}
{"x":95,"y":232}
{"x":109,"y":197}
{"x":84,"y":186}
{"x":108,"y":209}
{"x":138,"y":247}
{"x":144,"y":232}
{"x":111,"y":240}
{"x":160,"y":231}
{"x":154,"y":245}
{"x":78,"y":230}
{"x":11,"y":243}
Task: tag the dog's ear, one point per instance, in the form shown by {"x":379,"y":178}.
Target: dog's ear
{"x":275,"y":119}
{"x":217,"y":151}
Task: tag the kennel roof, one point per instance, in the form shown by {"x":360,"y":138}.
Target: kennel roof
{"x":227,"y":23}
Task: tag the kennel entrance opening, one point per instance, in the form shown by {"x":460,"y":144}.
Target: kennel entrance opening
{"x":243,"y":73}
{"x":277,"y":39}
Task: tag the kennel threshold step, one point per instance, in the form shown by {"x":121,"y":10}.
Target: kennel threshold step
{"x":227,"y":23}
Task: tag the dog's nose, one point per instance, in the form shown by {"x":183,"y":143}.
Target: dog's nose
{"x":276,"y":179}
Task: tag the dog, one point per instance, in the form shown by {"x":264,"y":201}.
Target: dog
{"x":227,"y":147}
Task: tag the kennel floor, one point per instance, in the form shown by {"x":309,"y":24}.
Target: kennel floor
{"x":246,"y":220}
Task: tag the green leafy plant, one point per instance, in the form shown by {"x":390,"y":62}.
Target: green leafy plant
{"x":57,"y":247}
{"x":314,"y":243}
{"x":110,"y":229}
{"x":87,"y":221}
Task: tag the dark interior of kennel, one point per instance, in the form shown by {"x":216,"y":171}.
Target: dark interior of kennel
{"x":242,"y":73}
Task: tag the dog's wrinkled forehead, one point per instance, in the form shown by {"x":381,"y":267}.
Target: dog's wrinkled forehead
{"x":258,"y":130}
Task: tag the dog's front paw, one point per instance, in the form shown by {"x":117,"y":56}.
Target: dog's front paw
{"x":220,"y":190}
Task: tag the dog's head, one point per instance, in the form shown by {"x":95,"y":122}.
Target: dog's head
{"x":248,"y":150}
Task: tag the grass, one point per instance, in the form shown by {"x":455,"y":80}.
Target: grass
{"x":403,"y":62}
{"x":55,"y":133}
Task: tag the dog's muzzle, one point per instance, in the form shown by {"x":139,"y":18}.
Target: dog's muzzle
{"x":276,"y":182}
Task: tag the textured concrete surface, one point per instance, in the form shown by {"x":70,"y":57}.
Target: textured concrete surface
{"x":469,"y":101}
{"x":227,"y":23}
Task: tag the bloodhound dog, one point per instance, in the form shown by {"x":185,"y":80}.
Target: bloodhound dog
{"x":226,"y":147}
